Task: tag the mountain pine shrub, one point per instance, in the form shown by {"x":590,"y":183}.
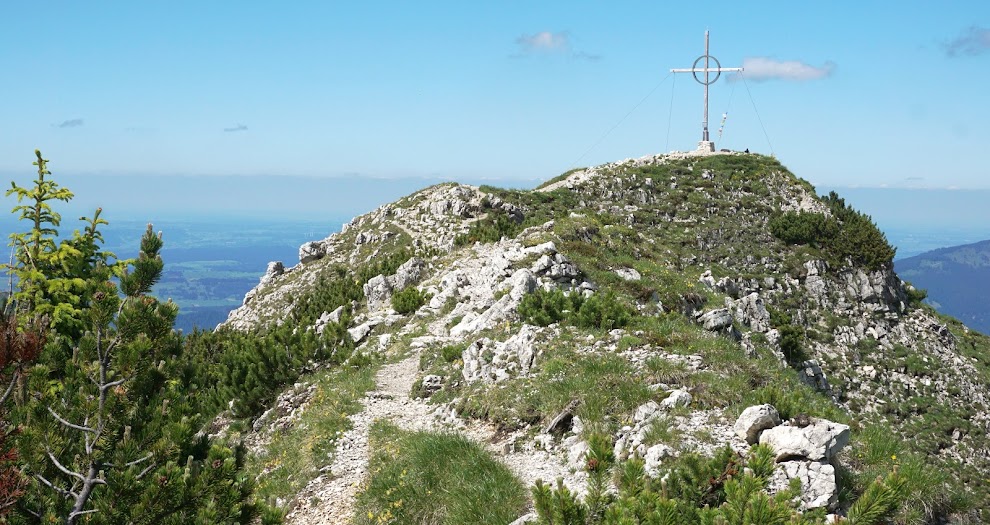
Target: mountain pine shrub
{"x":108,"y":426}
{"x":846,"y":235}
{"x":409,"y":300}
{"x":603,"y":311}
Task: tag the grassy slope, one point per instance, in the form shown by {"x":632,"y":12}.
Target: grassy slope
{"x":671,"y":232}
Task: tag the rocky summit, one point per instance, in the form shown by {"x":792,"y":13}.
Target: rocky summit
{"x":697,"y":334}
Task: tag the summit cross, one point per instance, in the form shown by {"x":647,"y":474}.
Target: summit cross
{"x":706,"y":143}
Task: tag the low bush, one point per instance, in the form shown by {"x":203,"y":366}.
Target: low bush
{"x":600,"y":311}
{"x":847,"y":234}
{"x":489,"y":229}
{"x":409,"y":300}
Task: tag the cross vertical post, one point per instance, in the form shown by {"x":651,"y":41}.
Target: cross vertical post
{"x":706,"y":143}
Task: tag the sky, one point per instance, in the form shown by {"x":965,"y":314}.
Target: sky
{"x":135,"y":95}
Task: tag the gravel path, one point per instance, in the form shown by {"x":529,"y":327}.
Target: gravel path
{"x":329,"y":499}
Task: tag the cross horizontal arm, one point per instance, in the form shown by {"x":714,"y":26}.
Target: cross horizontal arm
{"x":702,"y":70}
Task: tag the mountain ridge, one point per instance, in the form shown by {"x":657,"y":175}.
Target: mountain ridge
{"x":723,"y":277}
{"x":956,"y":279}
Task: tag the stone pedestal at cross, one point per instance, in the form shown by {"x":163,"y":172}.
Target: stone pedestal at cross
{"x":706,"y":145}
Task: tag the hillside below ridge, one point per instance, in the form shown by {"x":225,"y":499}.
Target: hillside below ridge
{"x":724,"y":314}
{"x":957,"y":279}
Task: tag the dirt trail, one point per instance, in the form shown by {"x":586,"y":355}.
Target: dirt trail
{"x":329,"y":498}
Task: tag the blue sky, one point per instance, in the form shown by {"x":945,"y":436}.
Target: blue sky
{"x":850,"y":93}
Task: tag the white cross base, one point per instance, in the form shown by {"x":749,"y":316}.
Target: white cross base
{"x":706,"y":146}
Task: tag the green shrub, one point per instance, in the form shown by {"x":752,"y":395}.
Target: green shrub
{"x":915,"y":296}
{"x":543,"y":308}
{"x":409,"y":300}
{"x":804,"y":227}
{"x":694,"y":490}
{"x":600,"y":311}
{"x":452,"y":353}
{"x":847,"y":234}
{"x":489,"y":229}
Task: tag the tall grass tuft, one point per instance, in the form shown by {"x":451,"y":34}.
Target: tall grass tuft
{"x":436,"y":478}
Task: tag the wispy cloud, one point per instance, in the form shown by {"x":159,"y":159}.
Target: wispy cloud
{"x":71,"y":123}
{"x":766,"y":68}
{"x":973,"y":41}
{"x":239,"y":127}
{"x":546,"y":42}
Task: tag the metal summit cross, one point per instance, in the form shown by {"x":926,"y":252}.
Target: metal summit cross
{"x":706,"y":144}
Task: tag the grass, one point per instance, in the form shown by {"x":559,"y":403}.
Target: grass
{"x":296,"y":455}
{"x":876,"y":451}
{"x":605,"y":385}
{"x":434,"y":478}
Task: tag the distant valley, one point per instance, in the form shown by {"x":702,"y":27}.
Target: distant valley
{"x":210,"y":262}
{"x":957,"y":279}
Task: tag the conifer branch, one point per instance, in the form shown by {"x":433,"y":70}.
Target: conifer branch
{"x":10,"y":386}
{"x":67,"y":494}
{"x":62,"y":468}
{"x":63,"y":421}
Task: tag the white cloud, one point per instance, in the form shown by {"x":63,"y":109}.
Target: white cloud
{"x":544,"y":41}
{"x":765,"y":68}
{"x":975,"y":41}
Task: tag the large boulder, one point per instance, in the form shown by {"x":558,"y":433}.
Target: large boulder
{"x":818,"y":488}
{"x":755,"y":420}
{"x":629,"y":274}
{"x":821,"y":440}
{"x":494,"y":361}
{"x":716,"y":320}
{"x":275,"y":269}
{"x":408,"y":274}
{"x":677,"y":398}
{"x":312,"y":251}
{"x":379,"y":289}
{"x":752,"y":312}
{"x":654,"y":458}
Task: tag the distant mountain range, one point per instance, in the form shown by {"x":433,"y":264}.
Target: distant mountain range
{"x":957,"y":279}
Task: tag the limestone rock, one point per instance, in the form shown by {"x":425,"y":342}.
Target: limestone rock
{"x":379,"y":289}
{"x":312,"y":251}
{"x":821,"y":440}
{"x":811,"y":374}
{"x":358,"y":333}
{"x":754,"y":420}
{"x":491,"y":361}
{"x":818,"y":488}
{"x":715,"y":320}
{"x":677,"y":398}
{"x":654,"y":458}
{"x":526,"y":518}
{"x":707,"y":280}
{"x":628,"y":274}
{"x":577,"y":454}
{"x":327,"y":318}
{"x":645,"y":411}
{"x":408,"y":274}
{"x":431,"y":384}
{"x":275,"y":269}
{"x":752,"y":312}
